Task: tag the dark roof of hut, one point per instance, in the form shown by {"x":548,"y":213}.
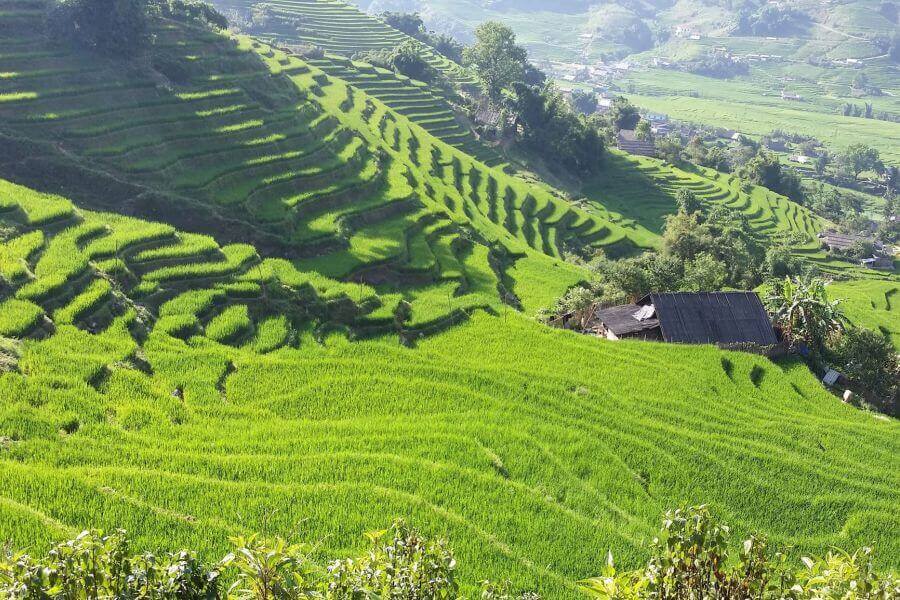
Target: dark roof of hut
{"x":712,"y":318}
{"x":621,"y":319}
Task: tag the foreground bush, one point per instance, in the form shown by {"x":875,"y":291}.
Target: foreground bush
{"x":691,"y":560}
{"x":400,"y":565}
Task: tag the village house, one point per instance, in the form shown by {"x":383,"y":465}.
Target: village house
{"x":726,"y":319}
{"x":832,"y":240}
{"x":627,"y":141}
{"x":881,"y":263}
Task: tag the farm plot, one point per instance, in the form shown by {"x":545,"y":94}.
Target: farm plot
{"x":278,"y":149}
{"x":871,"y":304}
{"x":188,"y":443}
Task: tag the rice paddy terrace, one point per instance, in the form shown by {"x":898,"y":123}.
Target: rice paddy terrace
{"x":199,"y":334}
{"x":254,"y":144}
{"x":871,"y":304}
{"x":218,"y":393}
{"x":637,"y":194}
{"x":343,"y":31}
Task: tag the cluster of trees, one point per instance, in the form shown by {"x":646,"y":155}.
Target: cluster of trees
{"x":404,"y":59}
{"x":770,"y":19}
{"x":700,"y":252}
{"x":412,"y":25}
{"x":693,"y":558}
{"x":119,"y":28}
{"x":814,"y":326}
{"x":401,"y":563}
{"x":109,"y":27}
{"x":531,"y":109}
{"x":716,"y":64}
{"x":766,"y":170}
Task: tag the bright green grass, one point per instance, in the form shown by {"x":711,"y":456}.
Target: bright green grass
{"x":533,"y":450}
{"x":229,"y":325}
{"x":17,"y":317}
{"x":871,"y":304}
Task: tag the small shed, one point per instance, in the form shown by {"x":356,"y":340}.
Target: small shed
{"x":627,"y":321}
{"x":728,"y":319}
{"x":882,"y":263}
{"x":839,"y":241}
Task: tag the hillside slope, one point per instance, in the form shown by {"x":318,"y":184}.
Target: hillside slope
{"x":256,"y":145}
{"x":644,"y":50}
{"x":343,"y":31}
{"x":210,"y":400}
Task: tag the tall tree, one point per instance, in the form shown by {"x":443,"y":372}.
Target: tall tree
{"x":499,"y":62}
{"x":110,"y":27}
{"x":858,"y":158}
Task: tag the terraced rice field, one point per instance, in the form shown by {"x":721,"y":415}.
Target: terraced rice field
{"x":637,"y":194}
{"x":217,"y":393}
{"x":871,"y":304}
{"x":344,"y":31}
{"x":340,"y":28}
{"x":250,"y":143}
{"x":205,"y":343}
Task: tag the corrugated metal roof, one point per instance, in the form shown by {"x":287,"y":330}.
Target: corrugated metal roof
{"x":712,"y":318}
{"x":621,"y":319}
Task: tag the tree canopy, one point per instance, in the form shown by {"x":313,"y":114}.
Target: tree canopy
{"x":499,"y":62}
{"x":109,"y":27}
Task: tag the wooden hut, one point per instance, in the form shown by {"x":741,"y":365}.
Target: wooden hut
{"x":727,"y":319}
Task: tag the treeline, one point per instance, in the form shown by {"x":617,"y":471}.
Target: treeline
{"x":701,"y":250}
{"x":693,"y":557}
{"x":528,"y":107}
{"x":119,"y":28}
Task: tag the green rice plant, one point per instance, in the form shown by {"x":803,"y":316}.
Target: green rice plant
{"x":237,"y":257}
{"x":188,"y":245}
{"x":15,"y":253}
{"x":271,"y":334}
{"x":38,"y":208}
{"x":85,"y":303}
{"x":230,"y":324}
{"x":18,"y":317}
{"x":61,"y":262}
{"x":871,"y":304}
{"x":193,"y":302}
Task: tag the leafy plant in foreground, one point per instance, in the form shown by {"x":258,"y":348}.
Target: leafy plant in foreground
{"x":402,"y":564}
{"x":691,"y":560}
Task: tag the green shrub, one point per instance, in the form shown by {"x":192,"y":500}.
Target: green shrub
{"x":401,"y":564}
{"x":110,"y":27}
{"x":97,"y":565}
{"x":692,"y":559}
{"x":869,"y":358}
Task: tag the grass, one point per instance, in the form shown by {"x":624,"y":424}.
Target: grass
{"x":588,"y":451}
{"x":871,"y":304}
